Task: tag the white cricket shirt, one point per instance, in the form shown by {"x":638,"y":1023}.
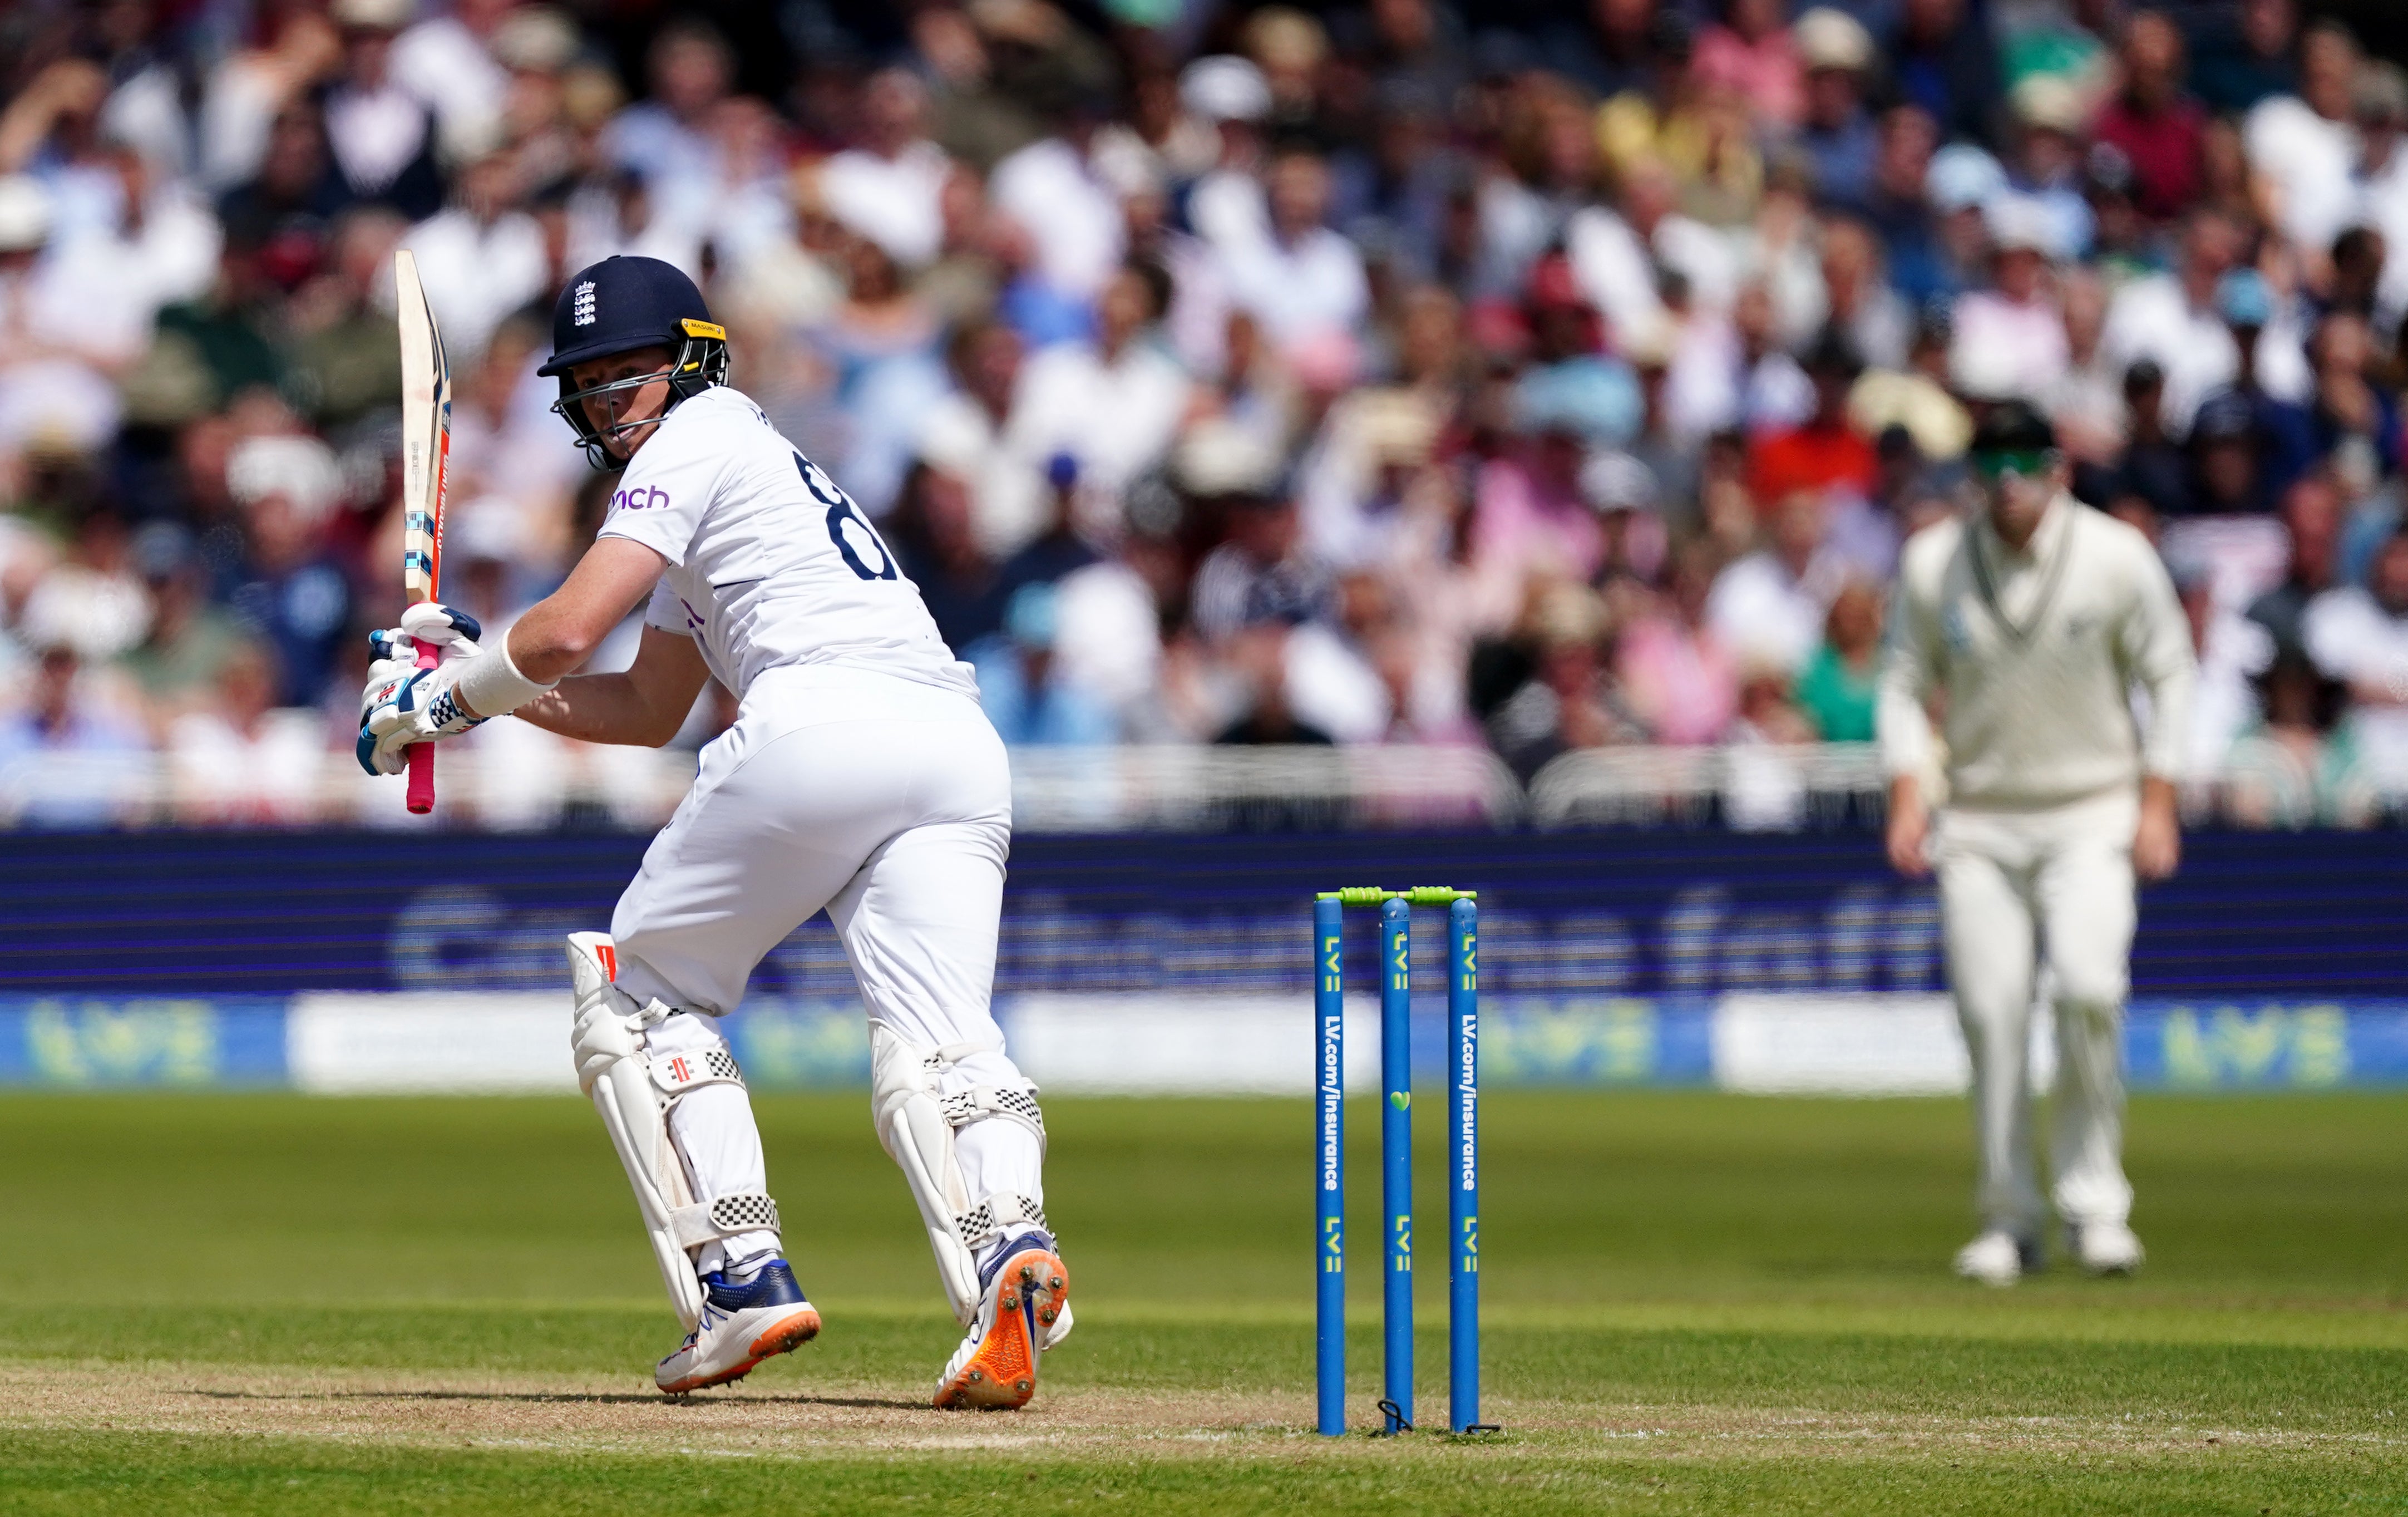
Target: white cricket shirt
{"x":769,"y":563}
{"x":2033,"y":656}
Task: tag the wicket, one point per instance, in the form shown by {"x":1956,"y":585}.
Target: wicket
{"x":1396,"y":1151}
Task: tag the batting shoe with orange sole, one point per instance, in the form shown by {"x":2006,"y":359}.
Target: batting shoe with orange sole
{"x":1024,"y":1309}
{"x":740,"y":1326}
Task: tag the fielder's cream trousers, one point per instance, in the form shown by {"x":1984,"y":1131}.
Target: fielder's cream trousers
{"x":2019,"y":889}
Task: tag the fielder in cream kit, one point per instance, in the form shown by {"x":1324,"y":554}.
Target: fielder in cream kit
{"x":860,"y":776}
{"x":2034,"y":622}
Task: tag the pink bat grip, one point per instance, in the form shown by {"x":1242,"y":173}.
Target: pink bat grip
{"x":421,"y":756}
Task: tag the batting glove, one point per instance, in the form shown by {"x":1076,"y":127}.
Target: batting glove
{"x":404,"y":705}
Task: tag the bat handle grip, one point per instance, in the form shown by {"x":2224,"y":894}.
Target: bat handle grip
{"x":421,"y":756}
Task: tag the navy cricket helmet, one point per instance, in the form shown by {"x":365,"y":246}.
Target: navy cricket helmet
{"x":618,"y":306}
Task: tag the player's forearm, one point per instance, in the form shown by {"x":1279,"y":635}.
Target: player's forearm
{"x":604,"y":708}
{"x":551,"y":640}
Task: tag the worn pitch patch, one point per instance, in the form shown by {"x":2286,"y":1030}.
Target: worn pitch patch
{"x":591,"y":1414}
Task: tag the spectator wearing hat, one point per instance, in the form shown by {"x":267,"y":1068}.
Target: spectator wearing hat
{"x":2160,"y":129}
{"x":2046,"y":162}
{"x":1915,"y":400}
{"x":2227,"y":474}
{"x":2124,"y":244}
{"x":1823,"y":450}
{"x":2153,"y":471}
{"x":1021,"y":682}
{"x":1835,"y":136}
{"x":2009,"y":340}
{"x":1962,"y":181}
{"x":2286,"y":441}
{"x":1629,"y":504}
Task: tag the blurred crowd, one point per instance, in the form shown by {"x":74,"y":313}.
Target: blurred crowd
{"x":1534,"y":376}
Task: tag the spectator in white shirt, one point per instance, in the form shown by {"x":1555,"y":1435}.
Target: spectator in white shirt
{"x":1768,"y":607}
{"x":2359,"y":636}
{"x":1114,"y":405}
{"x":2009,"y":340}
{"x":1052,"y":189}
{"x":382,"y":134}
{"x":483,"y":258}
{"x":1303,"y":281}
{"x":2303,"y":149}
{"x":449,"y":61}
{"x":890,"y":185}
{"x":666,"y":139}
{"x":2172,"y":321}
{"x":970,"y":435}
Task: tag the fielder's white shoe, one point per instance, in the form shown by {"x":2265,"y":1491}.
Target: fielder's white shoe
{"x":742,"y":1325}
{"x":1998,"y":1257}
{"x":1023,"y":1309}
{"x":2106,"y":1248}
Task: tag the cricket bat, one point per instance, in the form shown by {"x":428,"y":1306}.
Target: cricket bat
{"x":426,"y":453}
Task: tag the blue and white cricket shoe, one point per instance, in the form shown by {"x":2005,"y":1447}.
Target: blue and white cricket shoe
{"x":742,"y":1325}
{"x":1023,"y":1309}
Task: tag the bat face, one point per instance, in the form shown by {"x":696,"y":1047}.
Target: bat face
{"x":426,"y":433}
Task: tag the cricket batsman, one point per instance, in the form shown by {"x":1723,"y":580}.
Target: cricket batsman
{"x":860,"y":776}
{"x":2031,"y":621}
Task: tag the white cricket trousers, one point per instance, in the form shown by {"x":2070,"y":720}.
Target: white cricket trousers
{"x":2019,"y":889}
{"x":889,"y":804}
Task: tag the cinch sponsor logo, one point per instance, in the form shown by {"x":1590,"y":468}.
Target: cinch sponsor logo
{"x":643,"y":499}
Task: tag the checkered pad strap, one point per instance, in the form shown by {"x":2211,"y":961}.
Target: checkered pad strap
{"x":677,"y":1073}
{"x":965,"y":1106}
{"x":745,"y":1212}
{"x":987,"y":1221}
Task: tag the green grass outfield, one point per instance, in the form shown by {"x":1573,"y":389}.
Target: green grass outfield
{"x":1694,"y":1302}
